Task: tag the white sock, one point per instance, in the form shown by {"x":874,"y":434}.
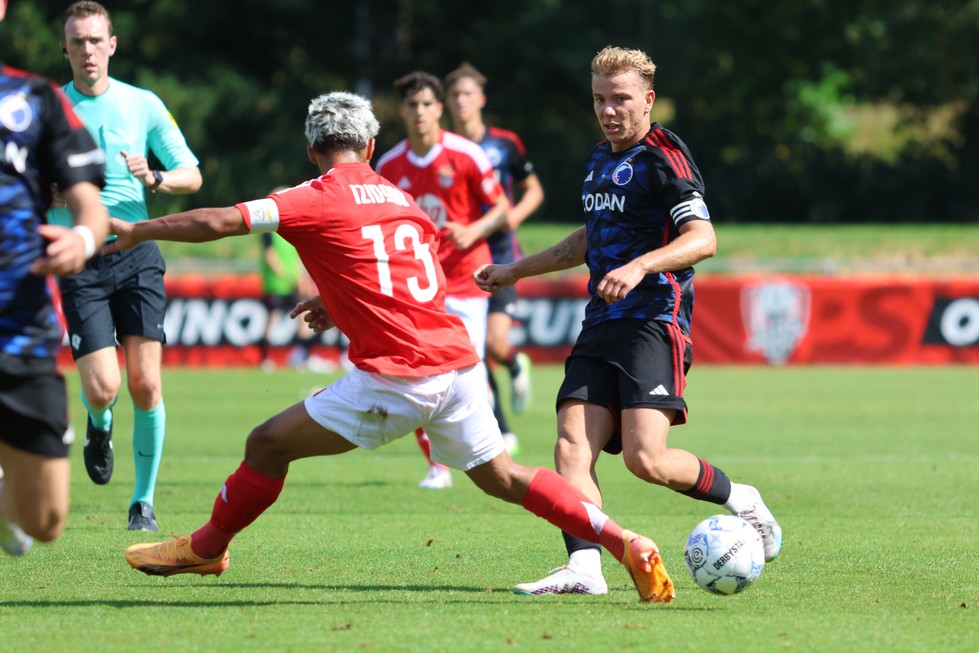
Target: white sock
{"x":587,"y":561}
{"x":742,"y":497}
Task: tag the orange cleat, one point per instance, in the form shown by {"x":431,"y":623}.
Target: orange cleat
{"x":645,"y":565}
{"x":173,"y":557}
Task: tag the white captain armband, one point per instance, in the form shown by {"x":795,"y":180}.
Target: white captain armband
{"x":263,"y":215}
{"x":87,"y":237}
{"x":694,"y":209}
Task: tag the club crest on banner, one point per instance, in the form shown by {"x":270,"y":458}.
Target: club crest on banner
{"x":776,"y":318}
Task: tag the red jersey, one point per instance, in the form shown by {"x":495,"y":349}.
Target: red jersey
{"x":371,"y":252}
{"x":453,"y":182}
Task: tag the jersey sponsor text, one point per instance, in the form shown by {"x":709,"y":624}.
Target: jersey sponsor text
{"x":603,"y":201}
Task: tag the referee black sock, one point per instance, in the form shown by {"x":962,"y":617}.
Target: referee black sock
{"x":712,"y":485}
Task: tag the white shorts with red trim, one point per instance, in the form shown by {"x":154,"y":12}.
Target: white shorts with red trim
{"x":371,"y":410}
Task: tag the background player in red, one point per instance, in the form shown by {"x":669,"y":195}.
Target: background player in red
{"x":452,"y":180}
{"x":371,"y":252}
{"x":465,"y":97}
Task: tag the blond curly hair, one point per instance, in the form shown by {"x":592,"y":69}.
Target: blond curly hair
{"x":615,"y":61}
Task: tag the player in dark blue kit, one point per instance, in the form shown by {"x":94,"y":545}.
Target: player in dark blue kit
{"x":646,"y":226}
{"x":42,"y":142}
{"x":466,"y":98}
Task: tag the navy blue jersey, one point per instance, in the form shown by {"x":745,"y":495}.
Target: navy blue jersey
{"x":634,"y":202}
{"x":43,"y":142}
{"x":508,"y":156}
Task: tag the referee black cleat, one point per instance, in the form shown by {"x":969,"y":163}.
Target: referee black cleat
{"x":141,"y":517}
{"x":98,"y":453}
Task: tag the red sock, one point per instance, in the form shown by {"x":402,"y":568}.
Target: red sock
{"x":243,"y":497}
{"x":424,"y":443}
{"x":551,"y":497}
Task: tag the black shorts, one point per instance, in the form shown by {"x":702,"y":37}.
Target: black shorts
{"x":504,"y":300}
{"x":629,"y":364}
{"x":117,"y":295}
{"x":33,"y":406}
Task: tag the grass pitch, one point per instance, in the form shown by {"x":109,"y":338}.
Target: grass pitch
{"x":871,"y":471}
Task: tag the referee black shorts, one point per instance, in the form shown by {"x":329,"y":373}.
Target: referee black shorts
{"x":629,"y":363}
{"x":117,"y":295}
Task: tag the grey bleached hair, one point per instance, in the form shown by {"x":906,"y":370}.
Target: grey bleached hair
{"x":340,"y":121}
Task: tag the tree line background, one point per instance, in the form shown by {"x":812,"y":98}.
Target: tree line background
{"x":826,"y":111}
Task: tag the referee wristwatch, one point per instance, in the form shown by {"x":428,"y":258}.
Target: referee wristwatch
{"x":157,"y":180}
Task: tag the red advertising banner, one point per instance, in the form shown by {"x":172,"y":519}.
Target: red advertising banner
{"x":220,"y":321}
{"x":836,"y":320}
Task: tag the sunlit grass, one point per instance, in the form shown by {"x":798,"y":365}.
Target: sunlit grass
{"x":871,"y":472}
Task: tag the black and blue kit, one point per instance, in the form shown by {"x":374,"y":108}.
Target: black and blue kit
{"x":42,"y":142}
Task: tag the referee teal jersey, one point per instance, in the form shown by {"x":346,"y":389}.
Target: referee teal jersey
{"x":127,"y":119}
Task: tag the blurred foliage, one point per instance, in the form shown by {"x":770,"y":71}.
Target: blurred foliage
{"x":815,"y":110}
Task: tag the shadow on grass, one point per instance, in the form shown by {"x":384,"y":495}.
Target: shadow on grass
{"x":341,"y":597}
{"x":345,"y":594}
{"x":372,"y":589}
{"x":215,"y":484}
{"x":83,"y":603}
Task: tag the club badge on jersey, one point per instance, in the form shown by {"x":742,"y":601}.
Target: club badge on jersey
{"x":15,"y":112}
{"x":447,"y":176}
{"x":622,"y":174}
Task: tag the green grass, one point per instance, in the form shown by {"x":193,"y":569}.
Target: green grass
{"x":870,"y":470}
{"x":921,"y":249}
{"x":813,"y":241}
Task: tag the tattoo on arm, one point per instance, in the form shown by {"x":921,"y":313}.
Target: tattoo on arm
{"x":568,"y":250}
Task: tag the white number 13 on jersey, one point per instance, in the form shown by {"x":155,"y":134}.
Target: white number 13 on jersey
{"x":405,"y":237}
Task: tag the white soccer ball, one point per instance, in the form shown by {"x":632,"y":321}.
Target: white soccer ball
{"x":724,"y":554}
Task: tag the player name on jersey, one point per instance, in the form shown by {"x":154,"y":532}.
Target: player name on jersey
{"x":377,"y":194}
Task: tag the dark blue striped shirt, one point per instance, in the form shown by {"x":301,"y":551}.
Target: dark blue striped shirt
{"x":634,"y":202}
{"x":41,"y":142}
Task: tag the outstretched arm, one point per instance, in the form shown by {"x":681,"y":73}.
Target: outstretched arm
{"x":195,"y":226}
{"x":567,"y":254}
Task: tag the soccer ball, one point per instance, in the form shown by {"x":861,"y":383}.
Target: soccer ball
{"x":724,"y":554}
